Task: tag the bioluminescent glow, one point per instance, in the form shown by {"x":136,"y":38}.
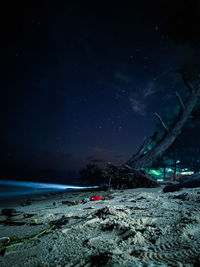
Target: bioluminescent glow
{"x":42,"y":185}
{"x":30,"y":188}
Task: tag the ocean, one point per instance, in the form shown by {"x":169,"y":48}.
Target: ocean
{"x":16,"y":189}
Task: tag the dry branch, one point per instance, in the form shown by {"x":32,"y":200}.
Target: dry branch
{"x":162,"y":122}
{"x":180,"y":100}
{"x":188,"y":84}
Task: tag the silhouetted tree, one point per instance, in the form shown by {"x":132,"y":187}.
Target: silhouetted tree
{"x":92,"y":175}
{"x":182,"y":26}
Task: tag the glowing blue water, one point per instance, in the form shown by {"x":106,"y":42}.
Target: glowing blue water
{"x":11,"y":189}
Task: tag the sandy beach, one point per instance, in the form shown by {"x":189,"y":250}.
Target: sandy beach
{"x":134,"y":227}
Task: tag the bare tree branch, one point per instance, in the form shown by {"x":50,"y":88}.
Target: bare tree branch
{"x":180,"y":100}
{"x":130,"y":173}
{"x":142,"y":160}
{"x":143,"y":148}
{"x":186,"y":82}
{"x":162,"y":122}
{"x":128,"y":167}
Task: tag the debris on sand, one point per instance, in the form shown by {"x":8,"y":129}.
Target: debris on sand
{"x":125,"y":177}
{"x":136,"y":227}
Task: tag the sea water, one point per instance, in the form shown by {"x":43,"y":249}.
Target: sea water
{"x":15,"y":189}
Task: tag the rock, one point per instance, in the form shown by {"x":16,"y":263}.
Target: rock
{"x":186,"y":178}
{"x":171,"y":188}
{"x":193,"y":182}
{"x":189,"y":181}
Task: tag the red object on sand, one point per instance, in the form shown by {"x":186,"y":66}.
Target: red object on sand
{"x":96,"y":198}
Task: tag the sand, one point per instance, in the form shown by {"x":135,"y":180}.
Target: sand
{"x":135,"y":227}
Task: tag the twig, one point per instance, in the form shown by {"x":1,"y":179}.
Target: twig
{"x":162,"y":122}
{"x":186,"y":82}
{"x":180,"y":100}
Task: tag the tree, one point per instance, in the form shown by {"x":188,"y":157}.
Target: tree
{"x":186,"y":148}
{"x":181,"y":26}
{"x":184,"y":153}
{"x":145,"y":156}
{"x":91,"y":175}
{"x":160,"y":165}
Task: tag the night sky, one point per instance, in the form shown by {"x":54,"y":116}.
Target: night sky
{"x":80,"y":82}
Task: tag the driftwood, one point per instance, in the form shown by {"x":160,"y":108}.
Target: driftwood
{"x":124,"y":177}
{"x":130,"y":174}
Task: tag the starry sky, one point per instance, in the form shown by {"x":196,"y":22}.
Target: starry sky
{"x":80,"y":82}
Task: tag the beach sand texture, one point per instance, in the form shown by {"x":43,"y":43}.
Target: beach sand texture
{"x":134,"y":227}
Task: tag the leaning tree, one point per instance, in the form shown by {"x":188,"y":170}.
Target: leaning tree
{"x":181,"y":26}
{"x":131,"y":174}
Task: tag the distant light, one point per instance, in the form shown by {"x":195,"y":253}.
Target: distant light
{"x":187,"y":173}
{"x":155,"y":172}
{"x":169,"y":170}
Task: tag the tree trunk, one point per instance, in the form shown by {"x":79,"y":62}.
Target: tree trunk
{"x":175,"y":165}
{"x":164,"y":173}
{"x":130,"y":173}
{"x":142,"y":159}
{"x":195,"y":166}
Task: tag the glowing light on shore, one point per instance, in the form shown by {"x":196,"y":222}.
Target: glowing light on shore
{"x":32,"y":188}
{"x":42,"y":185}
